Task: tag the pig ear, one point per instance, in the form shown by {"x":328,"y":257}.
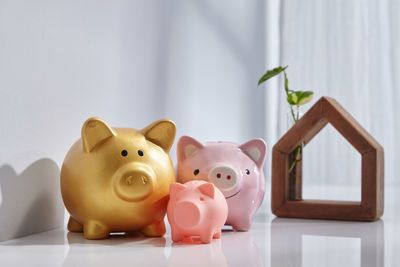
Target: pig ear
{"x":175,"y":188}
{"x":161,"y":133}
{"x":94,"y":132}
{"x":187,"y":146}
{"x":256,"y":149}
{"x":207,"y":189}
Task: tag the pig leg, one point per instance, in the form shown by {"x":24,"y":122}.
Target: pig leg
{"x":95,"y":230}
{"x":155,"y":229}
{"x":206,"y":236}
{"x":74,"y":225}
{"x":217,"y":235}
{"x":176,"y":236}
{"x":242,"y":224}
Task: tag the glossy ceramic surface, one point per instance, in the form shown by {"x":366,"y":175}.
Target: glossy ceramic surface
{"x":235,"y":169}
{"x":196,"y":209}
{"x":117,"y":179}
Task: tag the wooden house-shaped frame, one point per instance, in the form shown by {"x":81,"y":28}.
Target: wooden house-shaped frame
{"x":286,"y":199}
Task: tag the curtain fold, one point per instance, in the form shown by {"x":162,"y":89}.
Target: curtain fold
{"x":347,"y":50}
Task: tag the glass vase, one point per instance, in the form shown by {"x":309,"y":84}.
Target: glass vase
{"x":295,"y":158}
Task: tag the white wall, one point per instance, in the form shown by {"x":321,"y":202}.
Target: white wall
{"x":130,"y":63}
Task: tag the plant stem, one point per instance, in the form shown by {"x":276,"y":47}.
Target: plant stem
{"x":295,"y":119}
{"x":293,"y":115}
{"x":296,"y":155}
{"x":286,"y":83}
{"x":287,"y":90}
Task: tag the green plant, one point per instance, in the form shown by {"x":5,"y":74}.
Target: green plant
{"x":294,"y":98}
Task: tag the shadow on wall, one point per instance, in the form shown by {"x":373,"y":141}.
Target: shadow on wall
{"x":30,"y":202}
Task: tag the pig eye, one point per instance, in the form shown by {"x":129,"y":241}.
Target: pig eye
{"x":247,"y":171}
{"x":140,"y":153}
{"x":124,"y":153}
{"x":196,"y":171}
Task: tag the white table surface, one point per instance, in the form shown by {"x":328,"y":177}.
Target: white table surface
{"x":271,"y":242}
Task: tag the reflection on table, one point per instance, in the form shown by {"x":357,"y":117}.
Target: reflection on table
{"x":117,"y":250}
{"x":297,"y":242}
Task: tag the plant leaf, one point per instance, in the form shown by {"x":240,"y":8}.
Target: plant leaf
{"x":300,"y":97}
{"x":292,"y":98}
{"x":271,"y":73}
{"x":305,"y":97}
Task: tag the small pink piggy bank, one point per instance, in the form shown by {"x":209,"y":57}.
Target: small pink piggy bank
{"x":196,"y":208}
{"x":235,"y":169}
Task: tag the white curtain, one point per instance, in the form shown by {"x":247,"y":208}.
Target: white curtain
{"x":348,"y":50}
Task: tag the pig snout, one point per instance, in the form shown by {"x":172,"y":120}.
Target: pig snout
{"x":187,"y":214}
{"x":134,"y":182}
{"x":224,"y":177}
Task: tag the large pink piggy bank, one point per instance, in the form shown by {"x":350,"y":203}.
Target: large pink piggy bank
{"x":235,"y":169}
{"x":196,"y":208}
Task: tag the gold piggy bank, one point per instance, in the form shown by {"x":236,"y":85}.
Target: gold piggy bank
{"x":117,"y":179}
